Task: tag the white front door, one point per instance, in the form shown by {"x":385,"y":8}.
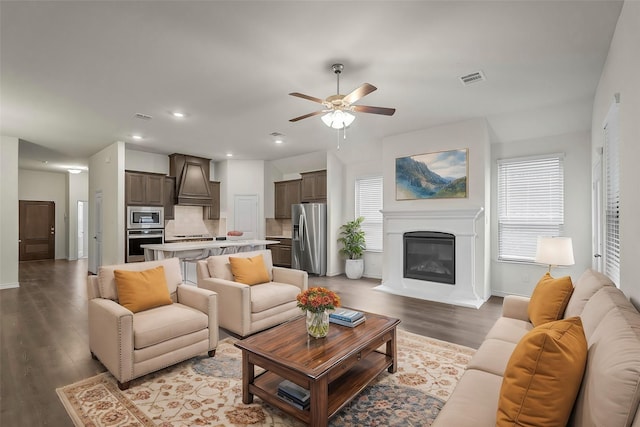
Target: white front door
{"x":245,"y":215}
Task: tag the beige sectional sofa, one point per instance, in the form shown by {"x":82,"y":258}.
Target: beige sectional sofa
{"x":610,"y":389}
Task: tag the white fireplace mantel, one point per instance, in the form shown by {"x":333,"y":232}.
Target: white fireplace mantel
{"x":463,"y":223}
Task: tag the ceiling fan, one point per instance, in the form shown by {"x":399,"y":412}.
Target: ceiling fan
{"x":338,"y":108}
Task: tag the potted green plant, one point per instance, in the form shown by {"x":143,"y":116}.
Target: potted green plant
{"x":353,"y":245}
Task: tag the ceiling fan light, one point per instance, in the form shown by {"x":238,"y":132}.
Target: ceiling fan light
{"x":338,"y":119}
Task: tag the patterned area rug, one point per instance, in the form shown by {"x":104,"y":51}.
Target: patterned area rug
{"x":208,"y":391}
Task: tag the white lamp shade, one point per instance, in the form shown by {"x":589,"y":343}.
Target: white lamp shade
{"x":554,"y":251}
{"x":338,"y":119}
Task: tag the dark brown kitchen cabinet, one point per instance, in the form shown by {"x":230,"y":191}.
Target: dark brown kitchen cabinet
{"x":169,"y":197}
{"x":192,"y":179}
{"x":213,"y":211}
{"x":281,"y":252}
{"x":314,"y":186}
{"x":144,"y":189}
{"x":287,"y":193}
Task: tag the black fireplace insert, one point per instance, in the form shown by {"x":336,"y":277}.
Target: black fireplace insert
{"x":430,"y":256}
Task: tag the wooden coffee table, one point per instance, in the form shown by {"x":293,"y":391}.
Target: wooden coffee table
{"x":335,"y":369}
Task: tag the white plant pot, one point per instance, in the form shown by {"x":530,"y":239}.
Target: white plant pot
{"x":354,"y":268}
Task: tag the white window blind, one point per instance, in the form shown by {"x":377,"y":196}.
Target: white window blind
{"x":368,"y":205}
{"x":612,"y":188}
{"x":530,"y":204}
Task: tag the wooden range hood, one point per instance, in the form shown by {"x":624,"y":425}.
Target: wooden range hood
{"x":192,"y":179}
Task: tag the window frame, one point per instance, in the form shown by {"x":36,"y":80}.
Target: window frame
{"x":368,"y":224}
{"x":519,"y":225}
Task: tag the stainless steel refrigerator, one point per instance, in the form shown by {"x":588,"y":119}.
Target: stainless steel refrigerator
{"x":309,"y":238}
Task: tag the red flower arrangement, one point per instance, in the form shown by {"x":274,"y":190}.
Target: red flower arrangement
{"x":317,"y":300}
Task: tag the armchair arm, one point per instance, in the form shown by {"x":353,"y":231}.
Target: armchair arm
{"x":207,"y":302}
{"x":515,"y":307}
{"x":234,"y":310}
{"x":111,"y":337}
{"x":291,"y":276}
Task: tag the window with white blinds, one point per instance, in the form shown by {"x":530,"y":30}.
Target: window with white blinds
{"x":368,"y":205}
{"x":612,"y":189}
{"x":530,"y":204}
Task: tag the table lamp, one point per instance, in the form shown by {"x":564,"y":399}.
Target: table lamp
{"x":554,"y":251}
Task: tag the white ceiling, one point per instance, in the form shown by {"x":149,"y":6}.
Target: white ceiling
{"x":74,"y":74}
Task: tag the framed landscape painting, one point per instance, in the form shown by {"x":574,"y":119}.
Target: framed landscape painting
{"x":440,"y":175}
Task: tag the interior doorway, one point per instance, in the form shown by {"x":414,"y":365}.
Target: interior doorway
{"x":83,"y":229}
{"x":37,"y":232}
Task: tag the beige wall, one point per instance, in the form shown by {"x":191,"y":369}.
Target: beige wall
{"x":8,"y":212}
{"x":48,"y":187}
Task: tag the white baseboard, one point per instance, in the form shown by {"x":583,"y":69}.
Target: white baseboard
{"x":504,"y":294}
{"x":9,"y":285}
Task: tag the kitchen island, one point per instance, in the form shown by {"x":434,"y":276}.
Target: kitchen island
{"x":202,"y":250}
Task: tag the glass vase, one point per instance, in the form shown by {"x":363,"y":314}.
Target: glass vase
{"x":318,"y":324}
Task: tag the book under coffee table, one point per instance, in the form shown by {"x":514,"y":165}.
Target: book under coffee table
{"x":335,"y":369}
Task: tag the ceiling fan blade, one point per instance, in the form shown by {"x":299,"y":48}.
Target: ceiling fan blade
{"x":315,"y":113}
{"x":310,"y":98}
{"x":358,"y":93}
{"x":374,"y":110}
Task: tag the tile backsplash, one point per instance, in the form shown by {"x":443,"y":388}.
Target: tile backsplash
{"x":188,"y":221}
{"x":278,"y":227}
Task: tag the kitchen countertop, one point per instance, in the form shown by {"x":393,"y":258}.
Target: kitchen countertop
{"x":211,"y":244}
{"x":201,"y":250}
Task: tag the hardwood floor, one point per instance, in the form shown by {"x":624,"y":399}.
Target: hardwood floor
{"x":44,"y":338}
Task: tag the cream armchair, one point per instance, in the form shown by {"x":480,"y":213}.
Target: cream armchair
{"x":131,"y":344}
{"x":245,"y":309}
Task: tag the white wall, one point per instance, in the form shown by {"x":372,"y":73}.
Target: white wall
{"x":106,"y":174}
{"x":620,"y":76}
{"x":8,"y":212}
{"x":519,"y":278}
{"x":146,"y":162}
{"x":335,"y":214}
{"x":78,"y":190}
{"x":367,"y":163}
{"x":48,"y":187}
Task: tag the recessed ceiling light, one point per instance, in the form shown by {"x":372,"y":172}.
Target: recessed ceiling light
{"x":137,"y":137}
{"x":229,"y":154}
{"x":277,"y":137}
{"x":74,"y":171}
{"x":178,"y":114}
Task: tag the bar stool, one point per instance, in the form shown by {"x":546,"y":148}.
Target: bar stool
{"x":192,"y":260}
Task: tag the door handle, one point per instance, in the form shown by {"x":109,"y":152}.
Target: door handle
{"x":597,"y":256}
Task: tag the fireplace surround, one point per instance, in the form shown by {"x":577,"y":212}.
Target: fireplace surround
{"x":470,"y":289}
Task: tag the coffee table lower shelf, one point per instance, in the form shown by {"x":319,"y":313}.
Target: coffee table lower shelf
{"x":341,"y":391}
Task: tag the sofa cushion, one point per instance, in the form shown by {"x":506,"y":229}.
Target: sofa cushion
{"x":220,"y":268}
{"x":610,"y":390}
{"x":142,"y":290}
{"x":507,"y":329}
{"x":273,"y":294}
{"x":161,"y":324}
{"x":543,"y":376}
{"x":587,"y":285}
{"x":492,"y":356}
{"x":473,"y":403}
{"x":107,"y":280}
{"x":249,"y":271}
{"x":549,"y":299}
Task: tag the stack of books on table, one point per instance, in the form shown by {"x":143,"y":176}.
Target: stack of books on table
{"x":346,"y":317}
{"x":294,"y":394}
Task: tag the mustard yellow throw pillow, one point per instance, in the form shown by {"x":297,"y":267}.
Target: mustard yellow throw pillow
{"x":543,"y":376}
{"x":142,"y":290}
{"x":549,"y":299}
{"x":250,"y":271}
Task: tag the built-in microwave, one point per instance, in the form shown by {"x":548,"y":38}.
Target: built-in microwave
{"x":145,"y":217}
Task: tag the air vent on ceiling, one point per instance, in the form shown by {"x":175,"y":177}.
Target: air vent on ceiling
{"x":143,"y":116}
{"x":476,"y":77}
